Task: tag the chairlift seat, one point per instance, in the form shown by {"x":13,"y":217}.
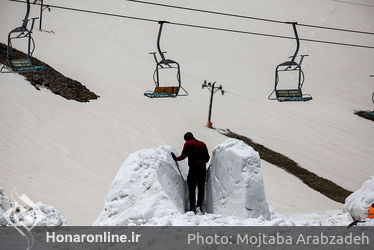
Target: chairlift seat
{"x":170,"y":91}
{"x":369,"y":113}
{"x":291,"y":95}
{"x":290,"y":66}
{"x":21,"y":63}
{"x":24,"y":65}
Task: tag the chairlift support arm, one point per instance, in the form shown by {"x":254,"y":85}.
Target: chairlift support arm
{"x":26,"y":19}
{"x":159,"y":38}
{"x":297,"y":41}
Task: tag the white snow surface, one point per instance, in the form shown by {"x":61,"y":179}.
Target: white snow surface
{"x":66,"y":153}
{"x":148,"y":185}
{"x":5,"y":204}
{"x":358,"y":203}
{"x":235,"y":185}
{"x":149,"y":191}
{"x":37,"y":215}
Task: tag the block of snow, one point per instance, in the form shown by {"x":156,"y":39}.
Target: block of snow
{"x":5,"y":204}
{"x":148,"y":185}
{"x":235,"y":185}
{"x":358,"y":203}
{"x":22,"y":214}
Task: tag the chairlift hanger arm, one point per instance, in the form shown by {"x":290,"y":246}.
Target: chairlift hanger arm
{"x":159,"y":38}
{"x":26,"y":19}
{"x":297,"y":40}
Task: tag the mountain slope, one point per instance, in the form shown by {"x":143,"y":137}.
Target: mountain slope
{"x":66,"y":153}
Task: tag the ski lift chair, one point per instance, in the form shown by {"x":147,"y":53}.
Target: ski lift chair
{"x":291,"y":66}
{"x":165,"y":64}
{"x":17,"y":63}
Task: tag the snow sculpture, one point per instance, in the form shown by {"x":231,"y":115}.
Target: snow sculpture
{"x":235,"y":185}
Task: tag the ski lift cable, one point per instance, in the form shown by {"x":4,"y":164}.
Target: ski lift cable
{"x":204,"y":27}
{"x":249,"y":17}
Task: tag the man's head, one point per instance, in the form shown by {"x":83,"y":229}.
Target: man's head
{"x":188,"y":136}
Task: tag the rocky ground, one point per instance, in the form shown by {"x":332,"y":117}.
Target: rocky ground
{"x":51,"y":79}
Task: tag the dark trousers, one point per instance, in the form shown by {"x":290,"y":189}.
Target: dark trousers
{"x":196,"y":178}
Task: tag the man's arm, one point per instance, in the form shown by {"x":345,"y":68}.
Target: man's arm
{"x":183,"y":154}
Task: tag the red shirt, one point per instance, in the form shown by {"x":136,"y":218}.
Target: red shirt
{"x":196,"y":151}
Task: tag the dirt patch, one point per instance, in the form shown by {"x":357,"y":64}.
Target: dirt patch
{"x":366,"y":114}
{"x":320,"y":184}
{"x":51,"y":79}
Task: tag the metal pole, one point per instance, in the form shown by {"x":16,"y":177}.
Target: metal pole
{"x":24,"y":24}
{"x":211,"y":103}
{"x":158,"y":40}
{"x":297,"y":41}
{"x":41,"y":15}
{"x":213,"y":90}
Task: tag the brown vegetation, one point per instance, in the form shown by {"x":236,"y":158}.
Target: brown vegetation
{"x":51,"y":79}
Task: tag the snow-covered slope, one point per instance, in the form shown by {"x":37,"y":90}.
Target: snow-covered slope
{"x":67,"y":154}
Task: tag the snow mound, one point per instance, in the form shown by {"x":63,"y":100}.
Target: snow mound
{"x":5,"y":204}
{"x":38,"y":214}
{"x":235,"y":185}
{"x":358,"y":203}
{"x":148,"y":185}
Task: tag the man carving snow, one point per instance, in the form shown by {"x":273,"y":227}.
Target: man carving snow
{"x":198,"y":156}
